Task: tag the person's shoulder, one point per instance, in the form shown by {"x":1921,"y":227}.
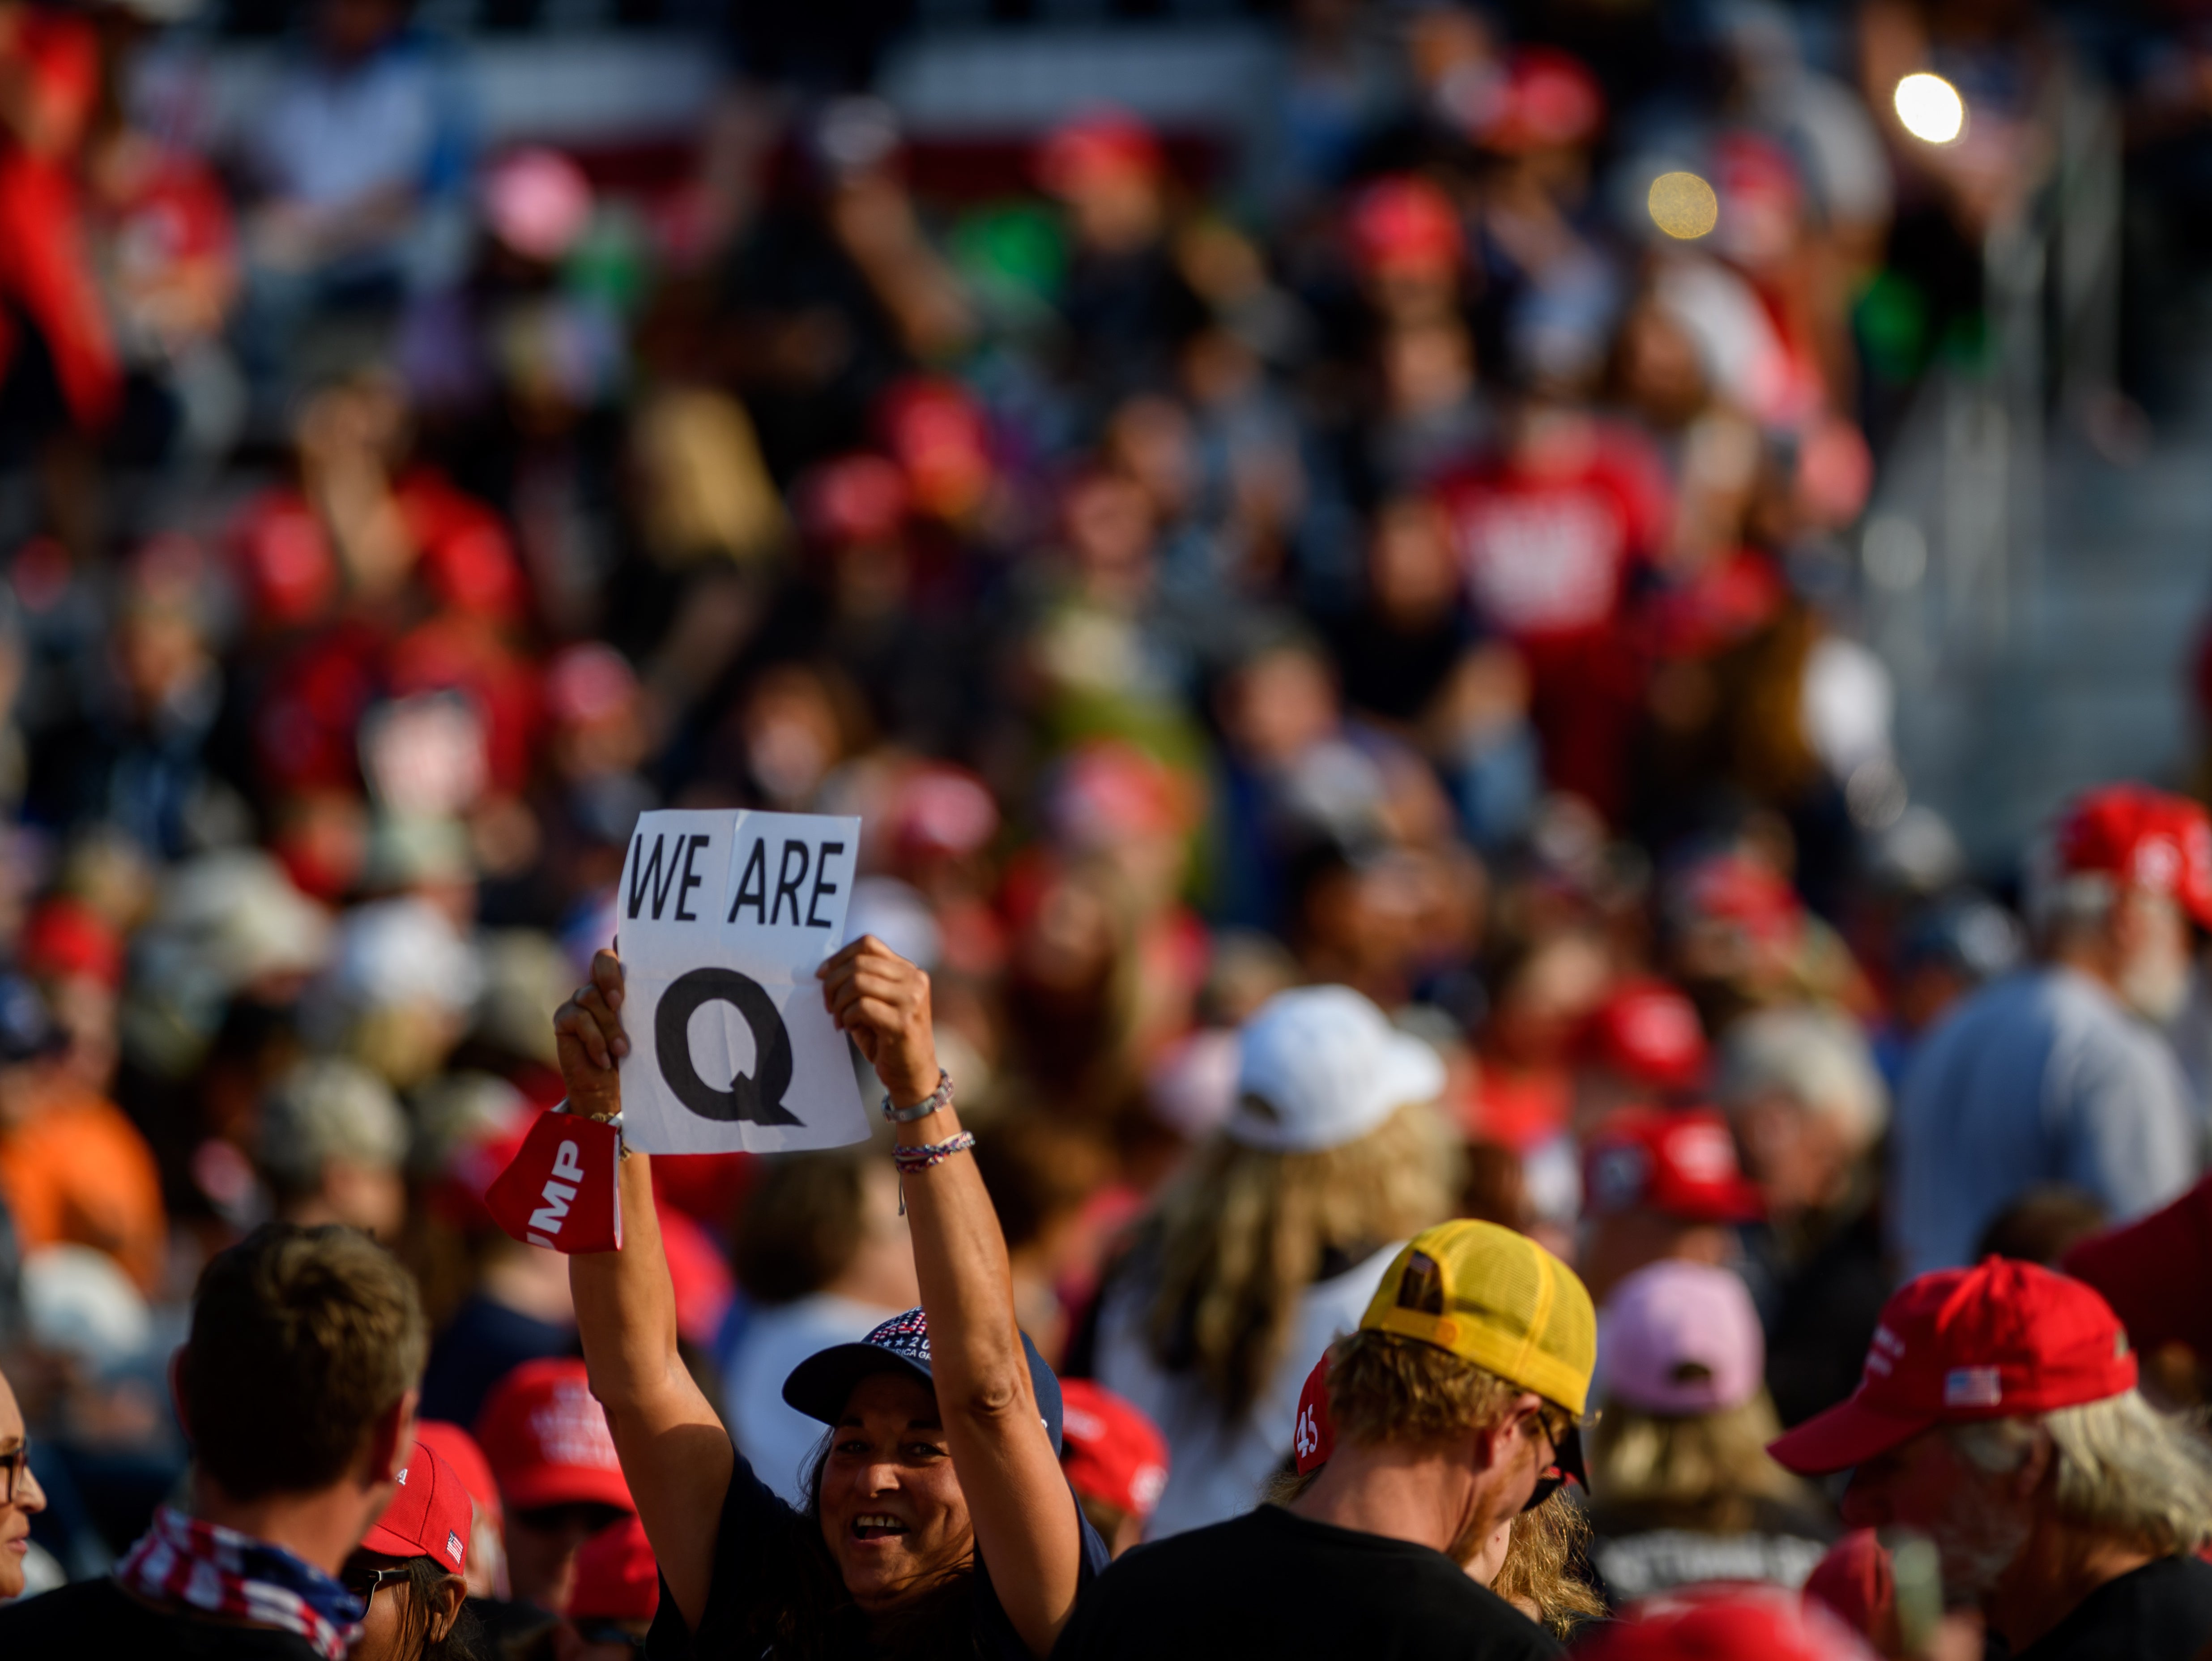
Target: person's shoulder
{"x":1992,"y":1014}
{"x":95,"y":1620}
{"x":87,"y":1607}
{"x":2161,"y":1610}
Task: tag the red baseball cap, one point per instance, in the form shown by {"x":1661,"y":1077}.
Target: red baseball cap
{"x":851,"y":499}
{"x":1110,"y":1451}
{"x":1738,"y":892}
{"x":428,"y":1516}
{"x":1406,"y":224}
{"x":546,"y":1436}
{"x":1725,"y":1622}
{"x":1550,"y":99}
{"x":2156,"y":1273}
{"x":1315,"y":1437}
{"x":1097,"y":147}
{"x":66,"y":938}
{"x":1680,"y":1161}
{"x":1649,"y":1031}
{"x":2143,"y":838}
{"x":1960,"y":1345}
{"x":616,"y":1577}
{"x":459,"y":1449}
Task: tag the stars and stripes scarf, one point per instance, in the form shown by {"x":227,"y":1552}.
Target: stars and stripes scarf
{"x":183,"y":1562}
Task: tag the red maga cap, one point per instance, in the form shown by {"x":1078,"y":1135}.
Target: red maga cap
{"x":2142,"y":838}
{"x":1959,"y":1345}
{"x":428,"y":1516}
{"x":563,"y":1188}
{"x":1680,"y":1161}
{"x":459,"y":1449}
{"x":616,"y":1577}
{"x":1110,"y":1451}
{"x":1314,"y":1439}
{"x":1648,"y":1031}
{"x":546,"y":1436}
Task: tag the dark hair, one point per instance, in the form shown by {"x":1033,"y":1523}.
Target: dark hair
{"x":2042,"y":1224}
{"x":464,"y":1639}
{"x":801,"y":1225}
{"x":301,"y":1339}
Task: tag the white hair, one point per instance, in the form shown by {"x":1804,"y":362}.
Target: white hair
{"x":1817,"y":1059}
{"x":2123,"y":1469}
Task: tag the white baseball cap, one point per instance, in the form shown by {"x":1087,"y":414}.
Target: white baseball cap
{"x":1330,"y":1067}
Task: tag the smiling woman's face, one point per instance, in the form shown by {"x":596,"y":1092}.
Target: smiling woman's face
{"x":892,"y":1511}
{"x":16,"y":1518}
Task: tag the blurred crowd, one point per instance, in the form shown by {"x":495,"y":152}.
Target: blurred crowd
{"x":1414,"y":558}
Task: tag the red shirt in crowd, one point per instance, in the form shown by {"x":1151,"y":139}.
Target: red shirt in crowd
{"x":44,"y":272}
{"x":1549,"y":535}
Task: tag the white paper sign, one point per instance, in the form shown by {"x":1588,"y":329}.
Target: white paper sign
{"x":722,"y":919}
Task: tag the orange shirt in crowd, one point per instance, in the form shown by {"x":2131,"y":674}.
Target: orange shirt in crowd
{"x":80,"y":1174}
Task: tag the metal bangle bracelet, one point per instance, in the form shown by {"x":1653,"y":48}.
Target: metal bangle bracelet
{"x":941,"y":1097}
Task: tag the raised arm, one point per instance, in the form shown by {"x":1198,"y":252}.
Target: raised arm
{"x":675,"y":1453}
{"x":1024,"y":1515}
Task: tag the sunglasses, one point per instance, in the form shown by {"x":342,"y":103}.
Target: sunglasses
{"x":365,"y":1582}
{"x":1565,"y":1436}
{"x":14,"y":1466}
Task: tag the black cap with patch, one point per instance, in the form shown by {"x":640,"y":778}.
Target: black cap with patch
{"x":822,"y":1384}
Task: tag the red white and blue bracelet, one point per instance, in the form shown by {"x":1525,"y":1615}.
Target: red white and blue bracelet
{"x":920,"y":1156}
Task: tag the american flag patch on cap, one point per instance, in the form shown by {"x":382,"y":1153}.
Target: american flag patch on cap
{"x":906,"y":1334}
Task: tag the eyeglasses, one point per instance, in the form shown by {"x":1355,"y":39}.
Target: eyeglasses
{"x":365,"y":1582}
{"x":14,"y":1467}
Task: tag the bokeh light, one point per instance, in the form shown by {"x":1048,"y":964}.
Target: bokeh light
{"x":1683,"y":205}
{"x":1931,"y":108}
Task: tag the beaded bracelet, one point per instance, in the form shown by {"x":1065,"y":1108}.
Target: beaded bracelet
{"x":922,"y":1155}
{"x":941,"y":1097}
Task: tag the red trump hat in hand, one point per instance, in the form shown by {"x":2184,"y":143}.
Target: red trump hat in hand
{"x":561,"y":1189}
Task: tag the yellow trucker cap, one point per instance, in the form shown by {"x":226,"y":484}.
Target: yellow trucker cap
{"x":1497,"y":1299}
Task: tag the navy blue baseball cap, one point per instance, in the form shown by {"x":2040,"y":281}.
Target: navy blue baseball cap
{"x":822,"y":1384}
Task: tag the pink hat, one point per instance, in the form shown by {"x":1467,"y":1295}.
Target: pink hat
{"x":1681,"y":1338}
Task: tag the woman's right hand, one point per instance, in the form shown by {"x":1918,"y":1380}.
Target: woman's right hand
{"x":588,"y":1032}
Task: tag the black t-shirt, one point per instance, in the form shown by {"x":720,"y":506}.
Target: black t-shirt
{"x":772,"y":1574}
{"x":1272,"y":1583}
{"x":2160,"y":1612}
{"x":98,"y":1621}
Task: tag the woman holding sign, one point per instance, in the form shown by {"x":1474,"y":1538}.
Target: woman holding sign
{"x":938,"y":1520}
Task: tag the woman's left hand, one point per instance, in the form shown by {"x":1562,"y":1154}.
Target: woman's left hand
{"x":882,"y":1001}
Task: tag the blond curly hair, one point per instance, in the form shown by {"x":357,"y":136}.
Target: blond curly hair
{"x":1243,"y":1233}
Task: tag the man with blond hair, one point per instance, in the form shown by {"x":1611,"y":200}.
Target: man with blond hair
{"x":297,"y":1390}
{"x":1998,"y":1415}
{"x":1455,"y":1407}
